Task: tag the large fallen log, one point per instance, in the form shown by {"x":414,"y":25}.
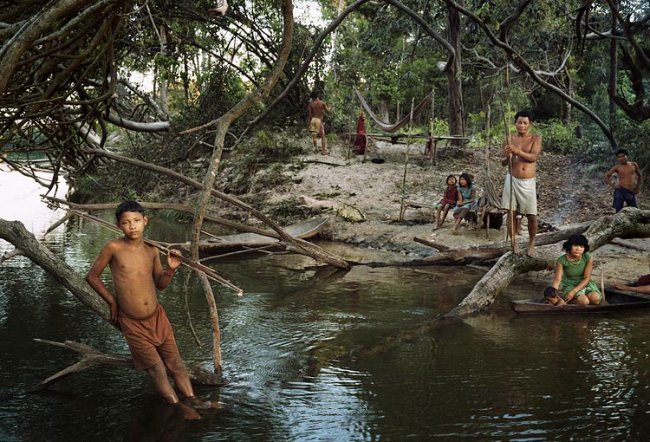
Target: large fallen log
{"x":485,"y":254}
{"x":540,"y":240}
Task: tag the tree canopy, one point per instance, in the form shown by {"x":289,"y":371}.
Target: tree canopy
{"x":66,"y":66}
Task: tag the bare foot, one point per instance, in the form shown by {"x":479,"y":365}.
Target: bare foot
{"x":515,"y":248}
{"x":188,"y":412}
{"x":531,"y":248}
{"x":200,"y":404}
{"x":455,"y":232}
{"x":436,"y":227}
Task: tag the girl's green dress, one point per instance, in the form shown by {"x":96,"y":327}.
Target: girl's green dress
{"x":573,"y":273}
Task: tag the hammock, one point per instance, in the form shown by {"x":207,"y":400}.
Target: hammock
{"x":387,"y":127}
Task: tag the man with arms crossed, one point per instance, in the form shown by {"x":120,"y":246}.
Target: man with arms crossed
{"x":520,"y":154}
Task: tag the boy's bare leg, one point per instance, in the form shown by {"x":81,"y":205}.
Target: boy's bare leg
{"x":323,"y":138}
{"x":183,"y":383}
{"x":164,"y":387}
{"x":532,"y":232}
{"x":314,"y":141}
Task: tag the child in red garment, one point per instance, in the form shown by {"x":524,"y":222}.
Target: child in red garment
{"x":447,"y":202}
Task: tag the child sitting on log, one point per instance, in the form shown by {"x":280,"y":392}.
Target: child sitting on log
{"x":448,"y":201}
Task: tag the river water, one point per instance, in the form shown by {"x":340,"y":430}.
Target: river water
{"x":312,"y":356}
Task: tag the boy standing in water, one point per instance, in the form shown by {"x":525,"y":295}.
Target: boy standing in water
{"x":629,"y":180}
{"x":137,"y":273}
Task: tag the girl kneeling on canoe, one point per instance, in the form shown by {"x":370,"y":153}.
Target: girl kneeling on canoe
{"x":573,"y":273}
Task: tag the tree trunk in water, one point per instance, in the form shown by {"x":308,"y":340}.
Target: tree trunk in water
{"x":221,"y":125}
{"x":15,"y":233}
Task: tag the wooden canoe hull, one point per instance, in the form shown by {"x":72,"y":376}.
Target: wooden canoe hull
{"x":229,"y":243}
{"x":614,"y":300}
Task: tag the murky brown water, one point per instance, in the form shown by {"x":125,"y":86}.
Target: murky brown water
{"x":312,"y":358}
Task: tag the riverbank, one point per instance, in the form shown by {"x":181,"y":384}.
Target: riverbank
{"x":570,"y":191}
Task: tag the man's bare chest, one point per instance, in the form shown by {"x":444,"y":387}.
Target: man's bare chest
{"x":524,"y":143}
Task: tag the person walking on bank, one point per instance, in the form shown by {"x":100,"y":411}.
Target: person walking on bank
{"x":628,"y":183}
{"x":316,"y":112}
{"x":520,"y":153}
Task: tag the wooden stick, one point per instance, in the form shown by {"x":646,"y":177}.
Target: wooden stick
{"x":188,"y":262}
{"x":512,"y":230}
{"x":261,"y":249}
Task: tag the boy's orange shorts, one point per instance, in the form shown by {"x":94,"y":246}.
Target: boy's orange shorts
{"x":150,"y":340}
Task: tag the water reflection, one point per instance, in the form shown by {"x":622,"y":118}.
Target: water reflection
{"x":293,"y":352}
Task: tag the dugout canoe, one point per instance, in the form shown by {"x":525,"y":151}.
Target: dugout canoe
{"x":229,"y":243}
{"x":614,"y":300}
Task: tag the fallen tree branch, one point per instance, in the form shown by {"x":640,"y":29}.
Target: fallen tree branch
{"x":301,"y":246}
{"x":627,"y":245}
{"x":11,"y":254}
{"x":167,"y":206}
{"x":91,"y":358}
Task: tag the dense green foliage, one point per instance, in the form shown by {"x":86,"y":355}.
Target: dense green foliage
{"x":551,"y":57}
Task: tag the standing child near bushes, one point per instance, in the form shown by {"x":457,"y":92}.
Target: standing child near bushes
{"x":448,"y":201}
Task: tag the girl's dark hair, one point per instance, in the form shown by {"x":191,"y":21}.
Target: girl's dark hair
{"x":576,"y":240}
{"x":467,"y":177}
{"x":128,"y":206}
{"x":451,"y":176}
